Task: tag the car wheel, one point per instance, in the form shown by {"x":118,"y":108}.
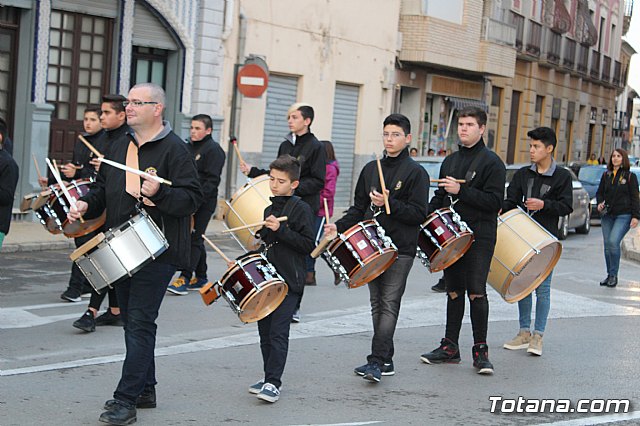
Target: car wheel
{"x":586,"y":227}
{"x":563,"y":228}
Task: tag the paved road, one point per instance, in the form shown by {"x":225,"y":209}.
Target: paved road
{"x":51,"y":373}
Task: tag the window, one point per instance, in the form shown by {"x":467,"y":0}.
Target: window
{"x":496,"y":96}
{"x":518,"y":22}
{"x":149,"y":65}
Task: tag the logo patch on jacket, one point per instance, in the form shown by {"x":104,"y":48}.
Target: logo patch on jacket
{"x":398,"y":185}
{"x":197,"y":157}
{"x":151,"y":169}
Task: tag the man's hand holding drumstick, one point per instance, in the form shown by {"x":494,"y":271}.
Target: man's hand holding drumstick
{"x":450,"y":184}
{"x":377,"y":198}
{"x":77,"y":211}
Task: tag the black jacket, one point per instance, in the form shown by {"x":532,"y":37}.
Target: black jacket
{"x":82,"y":155}
{"x":553,"y":187}
{"x":209,"y":157}
{"x":8,"y":182}
{"x":619,"y":193}
{"x":408,"y":185}
{"x":170,"y":156}
{"x":479,"y":200}
{"x":312,"y":156}
{"x":289,"y":247}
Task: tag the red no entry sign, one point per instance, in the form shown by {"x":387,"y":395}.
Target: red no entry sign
{"x":252,"y":80}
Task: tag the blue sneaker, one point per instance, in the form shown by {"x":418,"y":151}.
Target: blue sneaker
{"x":196,"y":284}
{"x":373,"y":373}
{"x":256,"y":387}
{"x":178,"y":287}
{"x":269,"y":393}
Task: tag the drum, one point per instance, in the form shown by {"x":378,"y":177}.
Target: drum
{"x":524,"y":256}
{"x":361,"y":254}
{"x":247,"y":206}
{"x":44,"y":213}
{"x":443,"y":239}
{"x":27,"y":201}
{"x":252,"y":287}
{"x":120,"y":252}
{"x":59,"y":207}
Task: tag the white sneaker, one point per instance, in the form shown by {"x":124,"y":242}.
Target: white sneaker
{"x":269,"y":393}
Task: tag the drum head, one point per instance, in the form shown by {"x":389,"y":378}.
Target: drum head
{"x":373,"y":268}
{"x":261,"y":303}
{"x":531,"y":272}
{"x":452,"y":250}
{"x":78,"y":229}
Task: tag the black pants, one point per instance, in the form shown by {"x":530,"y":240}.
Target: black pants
{"x":198,"y":253}
{"x":98,"y":297}
{"x":77,"y":281}
{"x":274,"y":339}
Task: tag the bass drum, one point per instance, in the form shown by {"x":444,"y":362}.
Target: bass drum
{"x":247,"y":206}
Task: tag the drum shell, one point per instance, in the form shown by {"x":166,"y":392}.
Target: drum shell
{"x":247,"y":206}
{"x":59,"y":207}
{"x":525,"y":247}
{"x":123,"y":252}
{"x":451,"y":245}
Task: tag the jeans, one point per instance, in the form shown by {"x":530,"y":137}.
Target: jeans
{"x":274,"y":339}
{"x":198,"y":253}
{"x":543,"y":303}
{"x":614,"y":228}
{"x":140,"y":297}
{"x":385,"y":295}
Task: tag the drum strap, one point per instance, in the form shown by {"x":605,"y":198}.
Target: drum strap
{"x":471,"y":172}
{"x":133,"y":181}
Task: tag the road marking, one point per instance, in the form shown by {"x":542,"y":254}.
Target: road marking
{"x":419,"y":312}
{"x":20,"y":317}
{"x":596,"y":420}
{"x":342,"y":424}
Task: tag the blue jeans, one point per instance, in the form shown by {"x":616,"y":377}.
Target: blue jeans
{"x":140,"y":297}
{"x":385,"y":295}
{"x":543,"y":304}
{"x":614,"y":228}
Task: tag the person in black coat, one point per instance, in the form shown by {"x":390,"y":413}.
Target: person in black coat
{"x":618,"y":203}
{"x":543,"y":190}
{"x":407,"y":186}
{"x":286,"y":245}
{"x":209,"y":158}
{"x":8,"y":182}
{"x":478,"y":202}
{"x":6,"y":140}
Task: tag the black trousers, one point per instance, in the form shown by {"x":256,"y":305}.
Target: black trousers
{"x":201,"y":219}
{"x":77,"y":281}
{"x":98,"y":297}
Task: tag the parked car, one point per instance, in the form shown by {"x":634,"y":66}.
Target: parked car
{"x":580,"y":218}
{"x":432,"y":166}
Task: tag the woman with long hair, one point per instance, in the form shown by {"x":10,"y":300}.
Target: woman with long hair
{"x":619,"y":206}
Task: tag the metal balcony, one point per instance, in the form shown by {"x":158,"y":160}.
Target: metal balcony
{"x":594,"y":71}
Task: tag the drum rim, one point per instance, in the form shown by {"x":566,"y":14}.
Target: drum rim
{"x":350,"y":233}
{"x":359,"y":267}
{"x":89,"y":226}
{"x":453,"y":259}
{"x":254,"y":292}
{"x":237,"y":264}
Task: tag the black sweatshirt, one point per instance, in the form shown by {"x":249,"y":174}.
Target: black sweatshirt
{"x":209,"y":157}
{"x":480,"y":200}
{"x":408,"y":185}
{"x":553,"y":187}
{"x":170,"y":156}
{"x":620,"y":193}
{"x":312,"y":156}
{"x":82,"y":155}
{"x":292,"y":242}
{"x":8,"y":182}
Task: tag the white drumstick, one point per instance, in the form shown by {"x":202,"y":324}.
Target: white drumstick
{"x":134,"y":171}
{"x":72,"y":200}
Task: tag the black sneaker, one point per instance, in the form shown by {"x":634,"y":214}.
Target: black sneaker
{"x":71,"y":296}
{"x":440,"y":287}
{"x":372,"y":373}
{"x":447,"y":353}
{"x":120,"y":413}
{"x":481,"y":362}
{"x":147,"y":399}
{"x":613,"y":281}
{"x":108,"y":318}
{"x":605,"y":281}
{"x":86,"y":322}
{"x":386,"y":369}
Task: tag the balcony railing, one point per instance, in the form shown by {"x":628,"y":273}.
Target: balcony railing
{"x":617,"y":74}
{"x":518,"y":22}
{"x":594,"y":72}
{"x":498,"y":32}
{"x":606,"y":69}
{"x":535,"y":36}
{"x":569,"y":59}
{"x":554,"y":43}
{"x":583,"y":59}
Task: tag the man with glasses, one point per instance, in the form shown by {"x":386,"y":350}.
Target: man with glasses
{"x":153,"y":147}
{"x":407,"y":186}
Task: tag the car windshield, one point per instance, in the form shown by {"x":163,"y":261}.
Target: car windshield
{"x":591,"y":175}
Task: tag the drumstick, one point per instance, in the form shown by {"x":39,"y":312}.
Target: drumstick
{"x":134,"y":171}
{"x":384,"y":188}
{"x":56,"y":175}
{"x":235,"y":146}
{"x":252,"y":225}
{"x":213,"y":246}
{"x":326,"y":210}
{"x":442,"y":180}
{"x":91,"y":147}
{"x":35,"y":162}
{"x":320,"y":247}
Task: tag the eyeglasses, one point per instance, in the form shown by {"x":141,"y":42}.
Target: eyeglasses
{"x":393,"y":135}
{"x":137,"y":104}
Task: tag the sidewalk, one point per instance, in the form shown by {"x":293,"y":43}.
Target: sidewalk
{"x":31,"y":236}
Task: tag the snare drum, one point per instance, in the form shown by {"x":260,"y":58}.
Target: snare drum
{"x":27,"y":201}
{"x":44,"y":213}
{"x":59,"y":207}
{"x":361,"y":254}
{"x":443,"y":239}
{"x":247,"y":206}
{"x":121,"y":252}
{"x":524,"y":256}
{"x":252,"y":287}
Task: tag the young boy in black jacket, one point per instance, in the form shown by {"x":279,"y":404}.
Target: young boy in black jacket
{"x":286,"y":245}
{"x":407,"y":186}
{"x":543,"y":190}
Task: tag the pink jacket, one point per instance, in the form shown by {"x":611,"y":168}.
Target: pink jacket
{"x":329,"y":190}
